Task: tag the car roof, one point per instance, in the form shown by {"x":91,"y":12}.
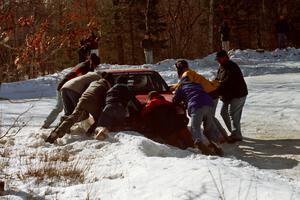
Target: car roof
{"x":129,"y":70}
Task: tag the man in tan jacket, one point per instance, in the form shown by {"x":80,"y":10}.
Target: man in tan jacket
{"x":91,"y":102}
{"x":72,"y":90}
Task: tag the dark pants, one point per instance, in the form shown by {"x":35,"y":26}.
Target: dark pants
{"x":77,"y":116}
{"x":282,"y":40}
{"x":113,"y":115}
{"x":70,"y":100}
{"x":80,"y":113}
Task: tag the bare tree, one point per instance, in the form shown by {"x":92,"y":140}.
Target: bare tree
{"x":182,"y":17}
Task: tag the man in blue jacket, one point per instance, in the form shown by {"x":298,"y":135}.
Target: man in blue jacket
{"x":199,"y":105}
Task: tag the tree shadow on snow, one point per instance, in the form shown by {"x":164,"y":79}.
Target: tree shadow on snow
{"x":266,"y":154}
{"x":21,"y":194}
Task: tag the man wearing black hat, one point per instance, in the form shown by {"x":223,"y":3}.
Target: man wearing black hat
{"x":233,"y":92}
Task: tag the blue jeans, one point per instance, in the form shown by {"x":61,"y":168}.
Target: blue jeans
{"x":231,"y":113}
{"x":203,"y":114}
{"x":217,"y":123}
{"x":55,"y":112}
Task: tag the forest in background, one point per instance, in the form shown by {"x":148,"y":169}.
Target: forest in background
{"x":39,"y":37}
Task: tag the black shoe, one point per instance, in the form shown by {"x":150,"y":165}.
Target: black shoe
{"x":45,"y":126}
{"x":62,"y":119}
{"x":235,"y":138}
{"x":90,"y":133}
{"x":51,"y":139}
{"x":229,"y":140}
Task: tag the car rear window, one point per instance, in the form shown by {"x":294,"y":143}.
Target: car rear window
{"x":142,"y":83}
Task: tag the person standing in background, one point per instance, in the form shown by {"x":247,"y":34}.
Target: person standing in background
{"x":147,"y":45}
{"x":224,"y":31}
{"x":84,"y":51}
{"x":282,"y":29}
{"x":94,"y":44}
{"x":88,"y":47}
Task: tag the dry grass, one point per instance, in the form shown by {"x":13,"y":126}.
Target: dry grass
{"x":54,"y":172}
{"x":61,"y":155}
{"x":53,"y":168}
{"x":5,"y":152}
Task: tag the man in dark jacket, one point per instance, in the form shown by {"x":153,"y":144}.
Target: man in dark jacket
{"x":233,"y":92}
{"x":80,"y":69}
{"x":91,"y":102}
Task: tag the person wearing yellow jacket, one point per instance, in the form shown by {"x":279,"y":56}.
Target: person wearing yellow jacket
{"x":183,"y":70}
{"x":210,"y":87}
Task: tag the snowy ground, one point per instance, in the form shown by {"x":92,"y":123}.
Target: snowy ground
{"x":129,"y":166}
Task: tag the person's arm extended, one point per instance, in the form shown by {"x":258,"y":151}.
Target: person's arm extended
{"x":178,"y":96}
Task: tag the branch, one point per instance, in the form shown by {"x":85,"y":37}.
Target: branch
{"x":53,"y":52}
{"x":7,"y":46}
{"x":24,"y":101}
{"x":20,"y":127}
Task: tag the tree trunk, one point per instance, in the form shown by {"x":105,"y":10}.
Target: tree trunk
{"x":147,"y":16}
{"x":119,"y":40}
{"x":211,"y":26}
{"x":131,"y":27}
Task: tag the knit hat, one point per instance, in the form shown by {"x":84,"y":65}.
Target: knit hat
{"x":154,"y":94}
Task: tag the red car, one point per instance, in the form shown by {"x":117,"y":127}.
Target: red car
{"x":142,"y":81}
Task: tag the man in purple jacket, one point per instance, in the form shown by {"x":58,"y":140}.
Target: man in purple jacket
{"x":199,"y":105}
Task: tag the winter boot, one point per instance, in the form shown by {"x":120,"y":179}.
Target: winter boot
{"x":52,"y":137}
{"x":236,"y":137}
{"x":204,"y":148}
{"x":216,"y":148}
